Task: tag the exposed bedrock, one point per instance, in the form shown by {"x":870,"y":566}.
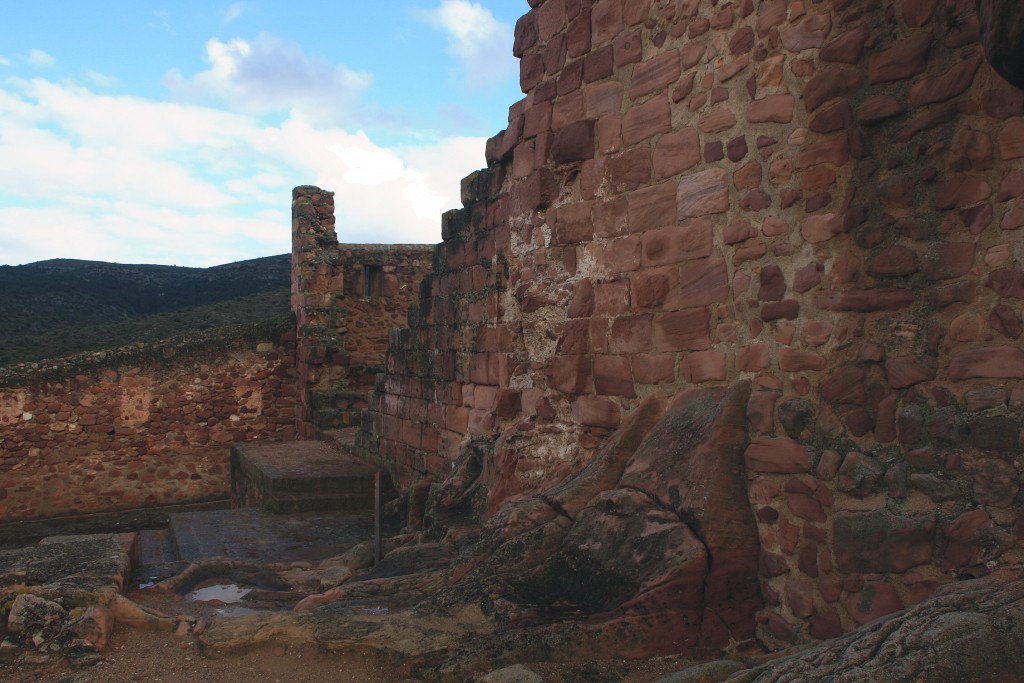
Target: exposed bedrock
{"x":650,"y":549}
{"x":968,"y":631}
{"x":1002,"y":34}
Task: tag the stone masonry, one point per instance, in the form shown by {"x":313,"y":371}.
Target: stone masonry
{"x":346,"y":299}
{"x":823,"y":198}
{"x":140,"y":427}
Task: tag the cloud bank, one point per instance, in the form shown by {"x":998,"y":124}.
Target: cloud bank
{"x":481,"y":44}
{"x":122,"y":178}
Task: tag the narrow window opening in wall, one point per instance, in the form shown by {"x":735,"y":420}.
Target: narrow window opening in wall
{"x":373,"y":281}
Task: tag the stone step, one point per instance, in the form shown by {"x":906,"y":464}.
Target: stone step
{"x":300,"y":476}
{"x":286,"y":503}
{"x":259,"y":536}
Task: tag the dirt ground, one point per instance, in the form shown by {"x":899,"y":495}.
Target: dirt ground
{"x":164,"y":657}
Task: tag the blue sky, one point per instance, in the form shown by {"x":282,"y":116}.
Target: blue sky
{"x":173,"y":132}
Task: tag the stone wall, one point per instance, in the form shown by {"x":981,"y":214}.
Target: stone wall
{"x":824,"y":198}
{"x":140,"y":427}
{"x":346,"y":298}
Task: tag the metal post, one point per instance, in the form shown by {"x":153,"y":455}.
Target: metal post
{"x":376,"y":518}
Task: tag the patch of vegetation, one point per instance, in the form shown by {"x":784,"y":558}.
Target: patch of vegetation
{"x":66,"y":341}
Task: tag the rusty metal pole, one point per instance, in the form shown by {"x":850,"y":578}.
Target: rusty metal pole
{"x":376,"y":518}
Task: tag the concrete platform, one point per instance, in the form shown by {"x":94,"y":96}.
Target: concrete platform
{"x":299,"y":476}
{"x":259,"y":536}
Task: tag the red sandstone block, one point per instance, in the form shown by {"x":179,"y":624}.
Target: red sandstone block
{"x":676,"y":152}
{"x":630,"y":170}
{"x":551,"y":19}
{"x":613,"y":376}
{"x":608,"y":134}
{"x":675,"y":244}
{"x":621,"y":255}
{"x":949,"y":260}
{"x":810,"y":31}
{"x":596,"y":412}
{"x":611,"y":298}
{"x":480,"y":422}
{"x":799,"y":361}
{"x":571,"y":374}
{"x":703,"y":193}
{"x":629,"y":48}
{"x":753,"y":357}
{"x":630,"y":335}
{"x":572,"y":222}
{"x":1011,"y":140}
{"x":655,"y":74}
{"x":652,"y":207}
{"x":646,"y":120}
{"x":652,"y":369}
{"x":456,"y":420}
{"x":779,"y":455}
{"x":945,"y":86}
{"x":908,"y":57}
{"x":606,"y":20}
{"x":598,"y":64}
{"x":610,"y":217}
{"x":829,"y":84}
{"x":961,"y":191}
{"x":603,"y":99}
{"x":773,"y":109}
{"x":682,"y":330}
{"x":704,"y":282}
{"x":508,"y":404}
{"x":651,"y":286}
{"x":703,"y":366}
{"x":577,"y":37}
{"x":573,"y":143}
{"x":716,"y":121}
{"x":999,"y":362}
{"x":478,"y":368}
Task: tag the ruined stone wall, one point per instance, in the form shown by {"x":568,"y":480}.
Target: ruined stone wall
{"x":140,"y":427}
{"x":822,"y":197}
{"x":346,"y":299}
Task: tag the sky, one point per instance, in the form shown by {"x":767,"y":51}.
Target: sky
{"x":173,"y":132}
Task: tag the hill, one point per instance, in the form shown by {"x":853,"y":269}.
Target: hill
{"x":64,"y":306}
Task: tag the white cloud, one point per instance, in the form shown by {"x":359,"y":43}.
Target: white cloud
{"x":40,"y":59}
{"x":481,"y":43}
{"x":4,"y":61}
{"x":102,"y":80}
{"x":127,"y":179}
{"x":269,"y":74}
{"x":233,"y":11}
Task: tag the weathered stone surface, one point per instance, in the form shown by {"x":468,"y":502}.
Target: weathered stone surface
{"x":778,"y":455}
{"x":945,"y":86}
{"x":1002,"y":34}
{"x":773,"y":108}
{"x":993,"y":362}
{"x":865,"y":301}
{"x":878,"y":108}
{"x":906,"y":371}
{"x":810,"y":31}
{"x":906,"y":58}
{"x":876,"y":599}
{"x":703,"y":193}
{"x":829,"y":84}
{"x":879,"y":541}
{"x":859,"y":475}
{"x":573,"y":143}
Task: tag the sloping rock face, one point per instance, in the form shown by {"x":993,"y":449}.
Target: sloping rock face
{"x":968,"y":631}
{"x":823,"y":199}
{"x":1002,"y":28}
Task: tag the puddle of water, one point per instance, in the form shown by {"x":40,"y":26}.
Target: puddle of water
{"x":226,"y":593}
{"x":235,"y":611}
